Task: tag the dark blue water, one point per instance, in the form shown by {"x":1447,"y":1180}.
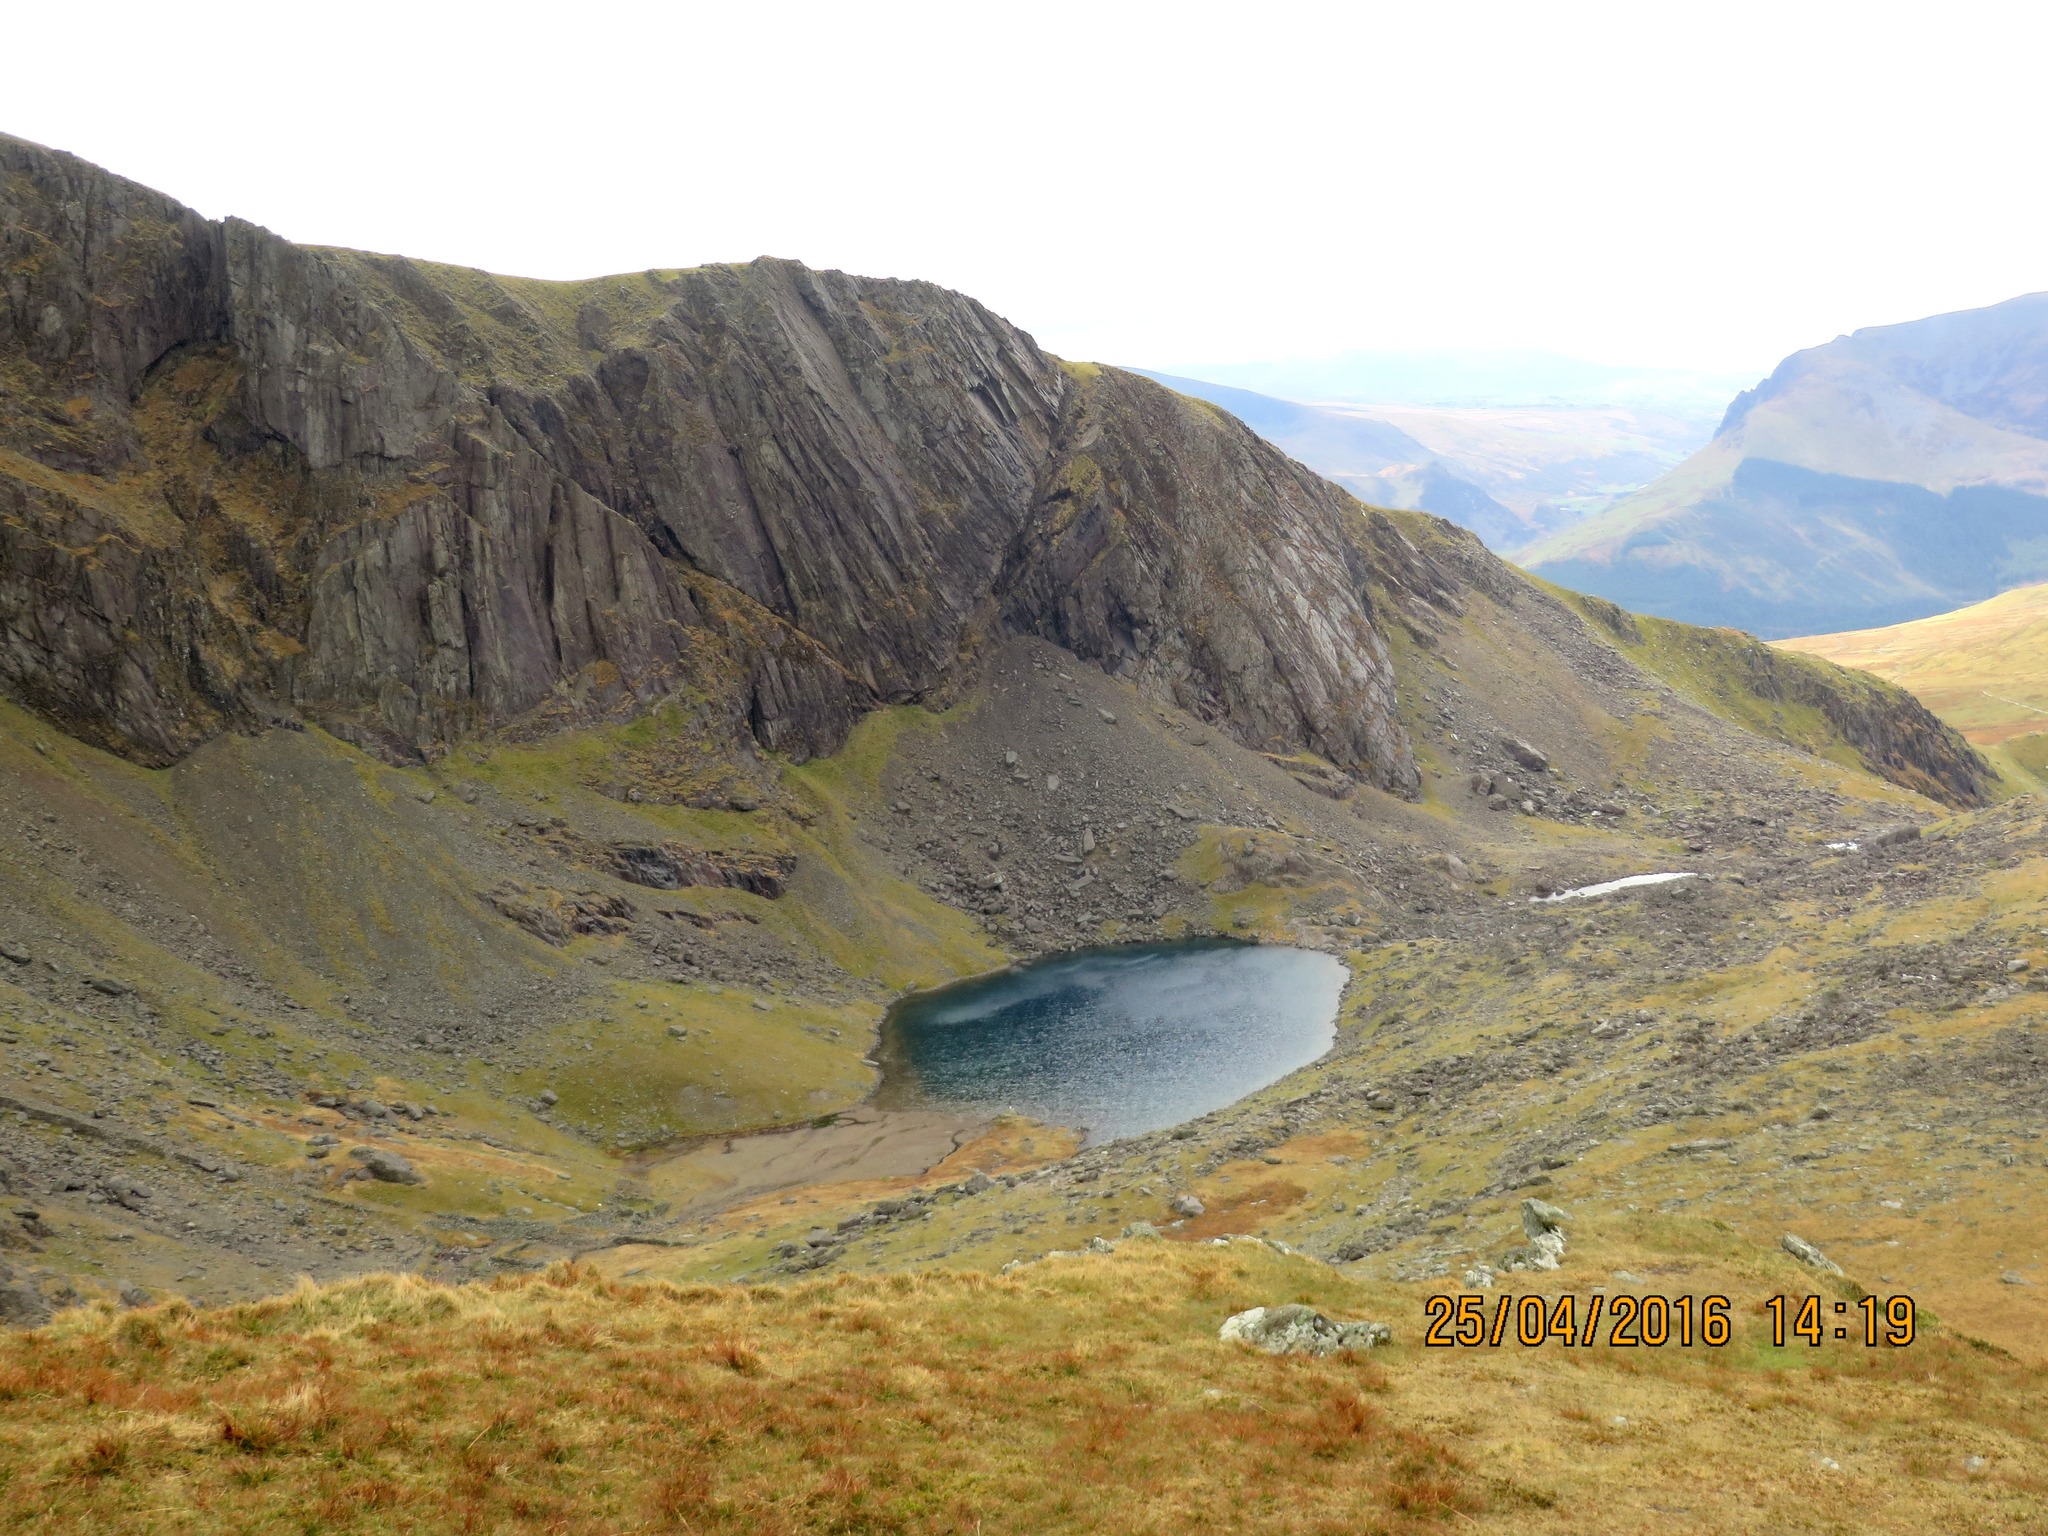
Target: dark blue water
{"x":1115,"y":1041}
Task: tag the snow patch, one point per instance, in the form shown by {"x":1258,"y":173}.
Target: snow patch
{"x":1626,"y":882}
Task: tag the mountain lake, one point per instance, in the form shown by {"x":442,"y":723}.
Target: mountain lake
{"x":1114,"y":1041}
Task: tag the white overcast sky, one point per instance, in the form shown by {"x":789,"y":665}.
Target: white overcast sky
{"x":1688,"y":185}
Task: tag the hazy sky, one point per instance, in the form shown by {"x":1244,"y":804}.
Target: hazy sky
{"x":1691,"y":185}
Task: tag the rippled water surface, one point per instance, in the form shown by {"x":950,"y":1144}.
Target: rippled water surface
{"x":1116,"y":1041}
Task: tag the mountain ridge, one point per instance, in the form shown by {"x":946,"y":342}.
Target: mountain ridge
{"x":1888,"y":475}
{"x":1975,"y":666}
{"x":744,"y":480}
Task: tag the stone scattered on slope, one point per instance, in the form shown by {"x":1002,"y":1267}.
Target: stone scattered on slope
{"x":1298,"y":1330}
{"x":386,"y":1167}
{"x":1808,"y":1255}
{"x":22,"y":1306}
{"x":1544,"y":1224}
{"x":1186,"y":1205}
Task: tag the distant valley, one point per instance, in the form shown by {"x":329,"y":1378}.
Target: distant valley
{"x":1889,"y":475}
{"x":1512,"y":470}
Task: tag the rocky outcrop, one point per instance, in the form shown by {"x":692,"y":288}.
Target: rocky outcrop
{"x":1800,"y":700}
{"x":671,"y":866}
{"x":1895,"y":734}
{"x":1186,"y":553}
{"x":557,"y":916}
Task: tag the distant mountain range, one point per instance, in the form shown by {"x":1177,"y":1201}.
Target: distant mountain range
{"x":1512,"y":473}
{"x":1892,"y":474}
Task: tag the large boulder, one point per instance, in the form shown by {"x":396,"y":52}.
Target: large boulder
{"x":1294,"y":1329}
{"x":1543,"y":1223}
{"x":1539,"y":1217}
{"x":387,"y":1167}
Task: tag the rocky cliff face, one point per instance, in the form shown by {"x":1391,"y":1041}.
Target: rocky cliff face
{"x":242,"y":477}
{"x":244,"y":480}
{"x":1183,"y":551}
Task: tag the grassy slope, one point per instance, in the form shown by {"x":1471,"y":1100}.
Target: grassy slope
{"x":1980,"y":668}
{"x":1664,"y":501}
{"x":357,"y":884}
{"x":1084,"y":1394}
{"x":1716,"y":669}
{"x":1065,"y":1385}
{"x":1074,"y":1394}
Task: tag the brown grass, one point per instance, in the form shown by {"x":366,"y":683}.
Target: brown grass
{"x":949,"y":1403}
{"x":1979,"y":667}
{"x":1086,"y":1394}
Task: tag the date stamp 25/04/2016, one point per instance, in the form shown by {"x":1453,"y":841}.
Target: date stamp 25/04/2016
{"x":1628,"y":1321}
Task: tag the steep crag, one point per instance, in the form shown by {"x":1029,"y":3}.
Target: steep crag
{"x":415,"y":503}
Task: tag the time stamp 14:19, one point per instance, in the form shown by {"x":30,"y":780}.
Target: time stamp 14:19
{"x":1627,"y":1321}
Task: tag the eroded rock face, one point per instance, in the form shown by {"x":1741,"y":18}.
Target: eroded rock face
{"x":671,"y":866}
{"x":1185,"y":553}
{"x":416,"y":503}
{"x":245,"y":482}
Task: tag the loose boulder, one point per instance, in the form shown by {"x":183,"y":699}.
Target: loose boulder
{"x":1544,"y":1224}
{"x":1298,"y":1330}
{"x":1808,"y":1255}
{"x":386,"y":1167}
{"x":22,"y":1306}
